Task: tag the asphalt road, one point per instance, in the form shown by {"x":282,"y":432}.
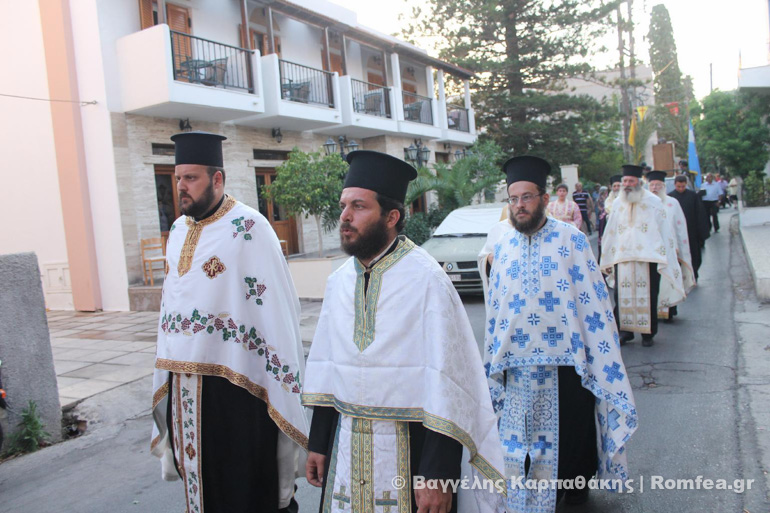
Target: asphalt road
{"x":692,"y":422}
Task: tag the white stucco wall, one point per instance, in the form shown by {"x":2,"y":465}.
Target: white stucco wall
{"x":117,"y":18}
{"x":300,"y":43}
{"x":30,"y":213}
{"x":100,"y":161}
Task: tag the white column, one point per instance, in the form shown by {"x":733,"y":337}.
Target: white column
{"x":398,"y":100}
{"x":432,"y":94}
{"x":471,"y":112}
{"x":442,"y":107}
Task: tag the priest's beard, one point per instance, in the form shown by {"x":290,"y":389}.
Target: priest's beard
{"x":661,"y":194}
{"x":369,"y":243}
{"x":634,"y":196}
{"x":531,"y":224}
{"x":200,"y":206}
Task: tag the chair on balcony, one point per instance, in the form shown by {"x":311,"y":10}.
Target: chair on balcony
{"x":153,"y":251}
{"x":412,"y":111}
{"x":373,"y":103}
{"x":216,"y":73}
{"x":296,"y":91}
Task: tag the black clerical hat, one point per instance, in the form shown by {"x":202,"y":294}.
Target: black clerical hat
{"x":526,"y":168}
{"x":615,"y":179}
{"x":379,"y":172}
{"x":630,"y":170}
{"x":202,"y":148}
{"x":656,"y":175}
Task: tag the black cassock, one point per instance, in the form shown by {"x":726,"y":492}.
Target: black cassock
{"x":697,"y":223}
{"x":239,"y":450}
{"x":431,"y":455}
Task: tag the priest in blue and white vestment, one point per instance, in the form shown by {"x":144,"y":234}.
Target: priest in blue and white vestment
{"x":552,"y":353}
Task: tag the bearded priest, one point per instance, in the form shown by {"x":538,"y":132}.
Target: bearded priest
{"x":552,"y":355}
{"x":394,"y":374}
{"x":667,"y":309}
{"x":229,"y":360}
{"x":638,"y":251}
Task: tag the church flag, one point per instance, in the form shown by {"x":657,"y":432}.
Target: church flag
{"x":693,"y":162}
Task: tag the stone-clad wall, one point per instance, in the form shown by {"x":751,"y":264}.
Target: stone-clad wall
{"x":133,"y":136}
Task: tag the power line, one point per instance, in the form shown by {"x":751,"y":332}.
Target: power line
{"x":93,"y":102}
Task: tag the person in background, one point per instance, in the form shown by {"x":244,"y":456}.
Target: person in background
{"x":583,"y":200}
{"x":564,"y":209}
{"x":712,"y":191}
{"x":732,"y":190}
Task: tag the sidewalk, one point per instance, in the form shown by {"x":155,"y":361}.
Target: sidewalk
{"x":755,"y":234}
{"x":96,"y":352}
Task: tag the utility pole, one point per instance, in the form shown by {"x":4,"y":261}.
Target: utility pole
{"x":624,"y":101}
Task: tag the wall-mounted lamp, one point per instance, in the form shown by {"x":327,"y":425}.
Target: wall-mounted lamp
{"x":417,"y":153}
{"x":330,"y":147}
{"x":184,"y":125}
{"x":277,"y":135}
{"x":447,"y":147}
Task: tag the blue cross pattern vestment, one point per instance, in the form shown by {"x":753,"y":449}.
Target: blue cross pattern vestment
{"x":548,"y":306}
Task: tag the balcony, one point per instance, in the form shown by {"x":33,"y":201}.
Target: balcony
{"x":418,"y":109}
{"x":297,"y":97}
{"x":367,"y":110}
{"x":457,"y":118}
{"x":201,"y":61}
{"x":174,"y":75}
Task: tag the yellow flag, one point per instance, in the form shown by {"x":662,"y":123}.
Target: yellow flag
{"x":632,"y":133}
{"x":642,"y":110}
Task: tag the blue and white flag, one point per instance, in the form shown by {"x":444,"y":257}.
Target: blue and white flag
{"x":692,"y":156}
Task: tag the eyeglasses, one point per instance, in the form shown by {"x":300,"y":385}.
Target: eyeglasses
{"x":527,"y":198}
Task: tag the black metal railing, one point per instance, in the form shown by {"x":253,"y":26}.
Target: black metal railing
{"x":201,"y":61}
{"x":305,"y":84}
{"x":417,"y":108}
{"x":457,"y":118}
{"x":372,"y":99}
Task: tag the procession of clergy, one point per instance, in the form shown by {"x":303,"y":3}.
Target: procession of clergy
{"x":406,"y":414}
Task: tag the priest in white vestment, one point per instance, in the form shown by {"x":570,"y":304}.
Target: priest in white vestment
{"x":638,"y":252}
{"x":229,"y":360}
{"x":394,"y":374}
{"x":552,"y":353}
{"x":667,"y":299}
{"x":614,"y":192}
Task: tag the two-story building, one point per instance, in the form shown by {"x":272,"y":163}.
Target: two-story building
{"x":95,"y":88}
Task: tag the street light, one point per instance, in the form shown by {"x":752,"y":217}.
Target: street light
{"x":417,"y":153}
{"x":330,"y":147}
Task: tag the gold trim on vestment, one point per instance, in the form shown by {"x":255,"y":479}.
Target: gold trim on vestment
{"x":366,"y":301}
{"x":403,"y":466}
{"x":433,"y":422}
{"x":361,"y":466}
{"x":213,"y":369}
{"x":194,"y":230}
{"x":157,"y":397}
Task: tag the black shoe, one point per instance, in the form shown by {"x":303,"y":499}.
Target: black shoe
{"x":575,"y":497}
{"x":626,"y":336}
{"x":647,"y":341}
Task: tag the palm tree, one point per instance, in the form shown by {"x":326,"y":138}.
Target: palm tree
{"x":457,"y":185}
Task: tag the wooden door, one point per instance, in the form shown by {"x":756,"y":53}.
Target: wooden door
{"x":179,"y":21}
{"x":284,"y":225}
{"x":167,"y":197}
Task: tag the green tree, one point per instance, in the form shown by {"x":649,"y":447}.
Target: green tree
{"x":521,"y":52}
{"x":669,"y":85}
{"x":457,"y":184}
{"x":731,"y":133}
{"x":309,"y":184}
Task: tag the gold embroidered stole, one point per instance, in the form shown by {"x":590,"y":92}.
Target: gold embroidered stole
{"x":366,"y":301}
{"x":194,"y":230}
